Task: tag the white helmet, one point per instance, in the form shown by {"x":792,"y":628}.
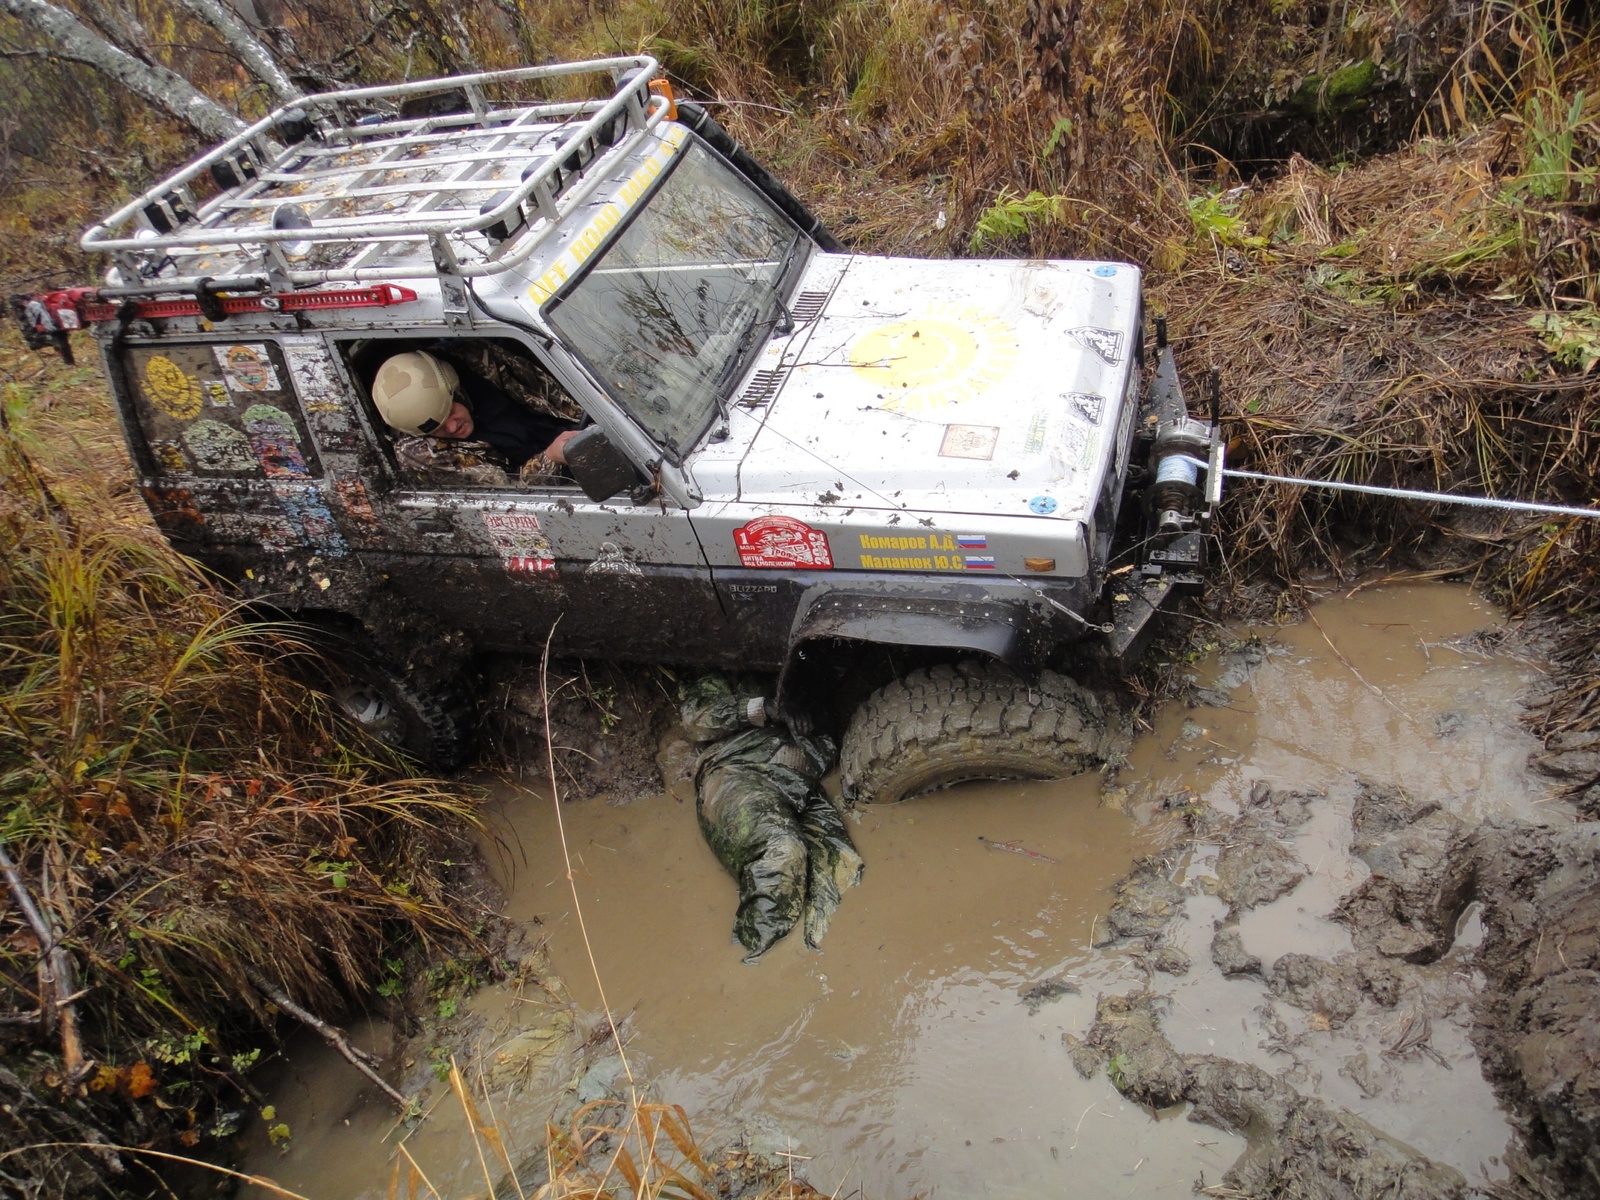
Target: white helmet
{"x":414,"y":391}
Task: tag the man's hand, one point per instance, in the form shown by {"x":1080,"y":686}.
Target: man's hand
{"x":800,"y":722}
{"x":556,"y":451}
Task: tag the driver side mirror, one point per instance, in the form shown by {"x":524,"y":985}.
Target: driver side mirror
{"x":599,"y":467}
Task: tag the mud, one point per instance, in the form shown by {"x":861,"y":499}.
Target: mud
{"x":1574,"y":759}
{"x":1298,"y":1145}
{"x":1008,"y":1025}
{"x":605,"y":725}
{"x":1538,"y":1025}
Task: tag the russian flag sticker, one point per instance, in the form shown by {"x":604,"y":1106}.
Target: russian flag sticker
{"x":979,"y":562}
{"x":972,"y":541}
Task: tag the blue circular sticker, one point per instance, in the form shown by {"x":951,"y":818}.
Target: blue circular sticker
{"x":1043,"y":505}
{"x":1105,"y":270}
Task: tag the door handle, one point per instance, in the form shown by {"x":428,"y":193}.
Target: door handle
{"x":432,"y":526}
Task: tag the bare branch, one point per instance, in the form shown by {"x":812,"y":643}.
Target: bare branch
{"x":72,"y":39}
{"x":360,"y":1059}
{"x":255,"y":56}
{"x":59,"y":976}
{"x":120,"y":25}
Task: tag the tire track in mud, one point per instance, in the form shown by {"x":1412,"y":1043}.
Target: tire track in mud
{"x":1533,"y":1014}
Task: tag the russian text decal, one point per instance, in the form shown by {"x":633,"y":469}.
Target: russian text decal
{"x":782,"y":542}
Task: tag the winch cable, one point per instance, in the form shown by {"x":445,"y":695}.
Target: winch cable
{"x":1557,"y":510}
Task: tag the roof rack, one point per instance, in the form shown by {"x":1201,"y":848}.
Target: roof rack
{"x":337,"y":186}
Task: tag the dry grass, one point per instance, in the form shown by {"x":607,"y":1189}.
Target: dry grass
{"x":177,"y":804}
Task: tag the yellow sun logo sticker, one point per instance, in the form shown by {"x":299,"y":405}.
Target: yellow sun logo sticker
{"x":954,"y":353}
{"x":170,"y":390}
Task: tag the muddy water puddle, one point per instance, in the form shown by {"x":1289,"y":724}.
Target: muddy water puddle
{"x":902,"y":1059}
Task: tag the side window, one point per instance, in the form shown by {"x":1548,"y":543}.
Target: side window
{"x":516,"y":414}
{"x":219,"y":410}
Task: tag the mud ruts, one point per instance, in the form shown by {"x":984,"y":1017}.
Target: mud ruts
{"x":764,"y":816}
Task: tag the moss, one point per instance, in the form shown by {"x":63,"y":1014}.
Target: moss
{"x":1341,"y":91}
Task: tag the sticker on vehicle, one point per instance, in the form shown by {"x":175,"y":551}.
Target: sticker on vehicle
{"x":217,"y":393}
{"x":272,"y":437}
{"x":951,"y":354}
{"x":520,"y":542}
{"x":1087,"y":405}
{"x":614,"y":560}
{"x":782,"y":542}
{"x":247,"y":368}
{"x":170,"y":456}
{"x":969,"y":441}
{"x":1107,"y":343}
{"x":919,"y":551}
{"x":357,"y":505}
{"x":1091,"y":445}
{"x":171,"y":389}
{"x":1037,"y":427}
{"x":307,"y":512}
{"x":219,"y":448}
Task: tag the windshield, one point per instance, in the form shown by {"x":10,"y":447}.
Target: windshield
{"x":675,"y":307}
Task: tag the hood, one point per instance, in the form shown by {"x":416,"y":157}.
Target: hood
{"x":961,"y":386}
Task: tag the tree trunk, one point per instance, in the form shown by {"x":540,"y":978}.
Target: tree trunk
{"x":258,"y":60}
{"x":70,"y":38}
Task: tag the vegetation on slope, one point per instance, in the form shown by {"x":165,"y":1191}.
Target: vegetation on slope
{"x":177,"y":815}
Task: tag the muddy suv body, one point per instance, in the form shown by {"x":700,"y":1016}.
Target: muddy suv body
{"x":791,"y":450}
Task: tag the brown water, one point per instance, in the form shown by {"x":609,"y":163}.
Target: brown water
{"x":901,"y":1060}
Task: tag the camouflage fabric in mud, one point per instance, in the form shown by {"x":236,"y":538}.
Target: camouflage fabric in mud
{"x":765,"y":817}
{"x":518,"y":375}
{"x":446,"y":461}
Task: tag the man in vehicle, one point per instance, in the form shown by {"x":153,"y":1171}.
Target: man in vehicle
{"x":420,"y":395}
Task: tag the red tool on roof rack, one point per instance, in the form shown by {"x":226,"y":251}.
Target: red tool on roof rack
{"x":48,"y":318}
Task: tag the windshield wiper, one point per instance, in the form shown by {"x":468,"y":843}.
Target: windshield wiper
{"x":731,"y":368}
{"x":787,"y":324}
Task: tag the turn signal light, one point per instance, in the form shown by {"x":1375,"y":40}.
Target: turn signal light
{"x":660,"y":87}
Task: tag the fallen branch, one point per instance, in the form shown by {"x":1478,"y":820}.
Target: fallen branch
{"x":59,"y":977}
{"x":360,"y":1059}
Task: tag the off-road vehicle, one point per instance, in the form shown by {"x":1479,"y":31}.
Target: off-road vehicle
{"x":890,"y":481}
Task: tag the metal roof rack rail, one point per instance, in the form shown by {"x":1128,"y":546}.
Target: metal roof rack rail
{"x":346,"y":186}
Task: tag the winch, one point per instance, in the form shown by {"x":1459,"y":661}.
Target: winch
{"x":1184,"y":471}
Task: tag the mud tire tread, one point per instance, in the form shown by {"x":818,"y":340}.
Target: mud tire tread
{"x":440,"y":724}
{"x":975,"y":720}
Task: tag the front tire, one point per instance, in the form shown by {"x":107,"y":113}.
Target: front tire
{"x":976,"y":720}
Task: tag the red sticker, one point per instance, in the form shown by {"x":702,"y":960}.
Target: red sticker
{"x":522,"y":545}
{"x":782,"y":542}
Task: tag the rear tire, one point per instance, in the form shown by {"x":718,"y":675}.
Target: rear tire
{"x":976,"y":720}
{"x":426,"y":717}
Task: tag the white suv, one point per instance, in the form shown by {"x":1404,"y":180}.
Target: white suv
{"x":896,"y":483}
